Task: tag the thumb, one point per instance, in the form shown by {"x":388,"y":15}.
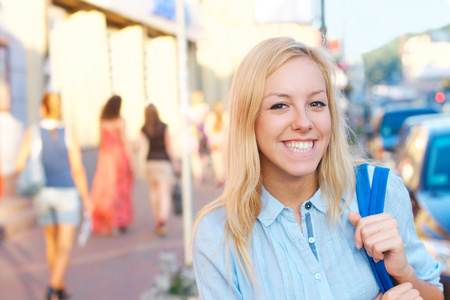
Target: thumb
{"x":354,"y":217}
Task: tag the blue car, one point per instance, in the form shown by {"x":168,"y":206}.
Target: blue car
{"x":424,"y":165}
{"x":386,"y":124}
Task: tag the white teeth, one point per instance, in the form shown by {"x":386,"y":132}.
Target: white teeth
{"x":299,"y":146}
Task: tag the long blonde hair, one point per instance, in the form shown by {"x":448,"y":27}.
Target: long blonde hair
{"x":242,"y":190}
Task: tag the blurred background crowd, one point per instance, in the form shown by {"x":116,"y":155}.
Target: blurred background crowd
{"x":182,"y":61}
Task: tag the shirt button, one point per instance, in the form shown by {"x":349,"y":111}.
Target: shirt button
{"x":318,"y":276}
{"x":308,"y":205}
{"x":311,"y":240}
{"x":301,"y":243}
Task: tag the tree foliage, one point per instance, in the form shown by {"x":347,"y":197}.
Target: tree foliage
{"x":383,"y":65}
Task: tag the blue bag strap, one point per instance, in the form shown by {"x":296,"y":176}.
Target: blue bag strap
{"x":363,"y":189}
{"x":370,"y":202}
{"x":378,"y":192}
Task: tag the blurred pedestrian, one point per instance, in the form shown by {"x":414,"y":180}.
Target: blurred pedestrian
{"x":57,"y":205}
{"x":113,"y":180}
{"x":216,"y":123}
{"x":287,"y":225}
{"x":11,"y":135}
{"x":161,"y":165}
{"x":199,"y":153}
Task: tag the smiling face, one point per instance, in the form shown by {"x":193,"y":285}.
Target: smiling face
{"x":293,"y":127}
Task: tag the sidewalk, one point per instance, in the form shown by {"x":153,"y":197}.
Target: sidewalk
{"x":120,"y":267}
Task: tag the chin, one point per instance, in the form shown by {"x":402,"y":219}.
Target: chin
{"x":303,"y":172}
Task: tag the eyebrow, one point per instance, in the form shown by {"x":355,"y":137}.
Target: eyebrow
{"x":287,"y":96}
{"x":316,"y":93}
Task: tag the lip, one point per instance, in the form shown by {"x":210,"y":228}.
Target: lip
{"x":299,"y":140}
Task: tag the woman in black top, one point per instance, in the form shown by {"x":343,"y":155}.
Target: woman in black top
{"x":160,"y":168}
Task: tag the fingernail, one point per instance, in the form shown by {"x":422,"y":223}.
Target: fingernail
{"x":358,"y":245}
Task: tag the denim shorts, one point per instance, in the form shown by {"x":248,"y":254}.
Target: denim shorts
{"x":57,"y":206}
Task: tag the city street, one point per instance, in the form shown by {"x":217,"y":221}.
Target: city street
{"x":119,"y":267}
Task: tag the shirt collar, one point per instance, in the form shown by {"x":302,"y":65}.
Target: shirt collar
{"x":319,"y":202}
{"x":271,"y":207}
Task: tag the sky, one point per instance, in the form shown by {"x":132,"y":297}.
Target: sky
{"x":365,"y":25}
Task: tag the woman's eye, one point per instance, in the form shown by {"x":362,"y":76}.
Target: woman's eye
{"x":278,"y":106}
{"x":317,"y":104}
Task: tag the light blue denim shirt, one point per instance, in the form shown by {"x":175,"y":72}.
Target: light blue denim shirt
{"x":319,"y":262}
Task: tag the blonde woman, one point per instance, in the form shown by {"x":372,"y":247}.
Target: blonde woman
{"x":58,"y":205}
{"x":287,"y":224}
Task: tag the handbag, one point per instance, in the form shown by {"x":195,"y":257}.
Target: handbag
{"x":32,"y":178}
{"x":85,"y":229}
{"x":371,"y":202}
{"x":177,"y":198}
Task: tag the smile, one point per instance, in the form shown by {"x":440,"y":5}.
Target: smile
{"x":299,"y":146}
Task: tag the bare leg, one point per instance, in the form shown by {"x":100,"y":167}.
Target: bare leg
{"x":165,"y":192}
{"x":50,"y":245}
{"x":154,"y":199}
{"x":197,"y":167}
{"x":64,"y":245}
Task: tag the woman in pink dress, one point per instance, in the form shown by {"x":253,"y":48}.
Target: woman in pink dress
{"x":113,"y":180}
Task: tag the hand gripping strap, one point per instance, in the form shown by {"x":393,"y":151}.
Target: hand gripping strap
{"x":371,"y":202}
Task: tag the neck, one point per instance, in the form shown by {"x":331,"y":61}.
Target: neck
{"x":292,"y":193}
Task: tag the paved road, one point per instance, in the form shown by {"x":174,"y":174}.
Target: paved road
{"x":120,"y":267}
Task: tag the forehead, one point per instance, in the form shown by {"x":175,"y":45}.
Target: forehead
{"x":299,"y":74}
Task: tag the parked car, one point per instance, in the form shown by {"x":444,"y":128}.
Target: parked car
{"x":424,"y":165}
{"x":409,"y":123}
{"x":386,"y":123}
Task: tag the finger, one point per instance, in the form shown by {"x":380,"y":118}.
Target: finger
{"x":398,"y":290}
{"x":374,"y":233}
{"x":411,"y":294}
{"x":354,"y":218}
{"x":369,"y":225}
{"x":382,"y":242}
{"x":379,"y":296}
{"x":394,"y":245}
{"x":384,"y":225}
{"x":374,"y":219}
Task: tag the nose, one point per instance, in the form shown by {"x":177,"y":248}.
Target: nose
{"x":301,"y":121}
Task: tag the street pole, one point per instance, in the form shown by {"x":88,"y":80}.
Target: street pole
{"x":183,"y":94}
{"x":323,"y":28}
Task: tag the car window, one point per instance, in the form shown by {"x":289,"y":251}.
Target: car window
{"x":437,"y":166}
{"x":392,"y":122}
{"x":409,"y":161}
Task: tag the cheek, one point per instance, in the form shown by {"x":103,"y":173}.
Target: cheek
{"x":260,"y":129}
{"x":326,"y":132}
